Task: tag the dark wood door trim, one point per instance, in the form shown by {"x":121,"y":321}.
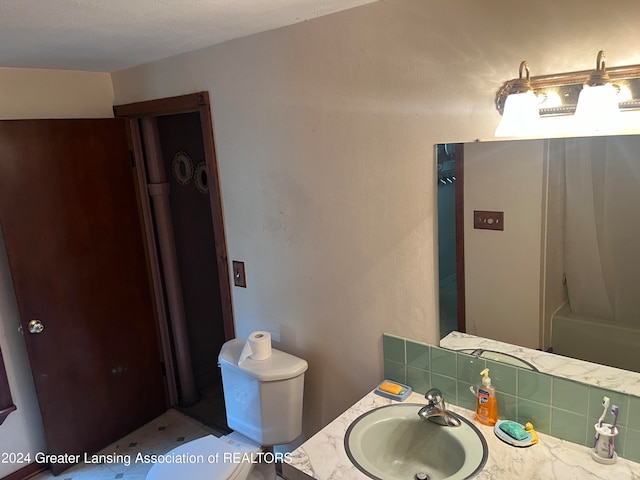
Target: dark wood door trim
{"x":151,"y":251}
{"x":459,"y":206}
{"x":163,"y":106}
{"x":215,"y":197}
{"x":197,"y":102}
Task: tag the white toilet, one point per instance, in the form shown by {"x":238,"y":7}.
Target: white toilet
{"x":263,"y":400}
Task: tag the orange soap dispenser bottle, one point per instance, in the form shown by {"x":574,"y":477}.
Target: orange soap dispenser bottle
{"x":486,"y":404}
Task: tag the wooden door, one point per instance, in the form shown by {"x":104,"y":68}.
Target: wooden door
{"x":70,"y":221}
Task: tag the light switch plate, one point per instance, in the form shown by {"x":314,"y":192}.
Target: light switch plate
{"x":239,"y":276}
{"x":486,"y":220}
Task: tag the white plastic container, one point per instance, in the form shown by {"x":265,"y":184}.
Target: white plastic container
{"x":263,"y":398}
{"x":603,"y":451}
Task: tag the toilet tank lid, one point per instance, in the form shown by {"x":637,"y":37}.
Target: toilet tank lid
{"x":279,"y":366}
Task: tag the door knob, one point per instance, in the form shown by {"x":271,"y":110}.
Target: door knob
{"x":35,"y":326}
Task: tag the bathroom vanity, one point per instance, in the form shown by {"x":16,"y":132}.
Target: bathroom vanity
{"x":611,"y":378}
{"x":323,"y":456}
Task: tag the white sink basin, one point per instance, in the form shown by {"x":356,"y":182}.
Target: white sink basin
{"x":394,"y":443}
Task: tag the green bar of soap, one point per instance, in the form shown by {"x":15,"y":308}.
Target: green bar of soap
{"x":514,"y":430}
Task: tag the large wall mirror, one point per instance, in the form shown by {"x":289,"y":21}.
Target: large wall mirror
{"x":561,"y":273}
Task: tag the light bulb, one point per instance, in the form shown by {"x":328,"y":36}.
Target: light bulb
{"x":520,"y":116}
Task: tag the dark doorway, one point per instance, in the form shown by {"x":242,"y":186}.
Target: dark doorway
{"x":183,"y":161}
{"x":175,"y":154}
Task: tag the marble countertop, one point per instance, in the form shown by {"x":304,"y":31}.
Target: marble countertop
{"x":590,"y":373}
{"x":323,"y":456}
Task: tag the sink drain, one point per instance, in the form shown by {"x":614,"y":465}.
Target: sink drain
{"x":421,"y":476}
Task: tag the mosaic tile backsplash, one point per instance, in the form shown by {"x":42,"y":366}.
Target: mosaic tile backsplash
{"x":556,"y":406}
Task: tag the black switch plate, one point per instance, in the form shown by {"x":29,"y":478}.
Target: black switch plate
{"x":239,"y":277}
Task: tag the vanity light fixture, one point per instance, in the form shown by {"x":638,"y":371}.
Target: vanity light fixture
{"x":561,"y":93}
{"x":597,"y":107}
{"x":520,"y":115}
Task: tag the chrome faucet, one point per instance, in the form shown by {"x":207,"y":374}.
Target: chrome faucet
{"x":435,"y":410}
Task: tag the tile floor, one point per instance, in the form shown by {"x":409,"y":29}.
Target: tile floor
{"x":157,"y":437}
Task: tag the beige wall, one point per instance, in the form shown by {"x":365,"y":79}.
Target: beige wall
{"x":325,"y":134}
{"x":503,"y":268}
{"x":327,"y":187}
{"x":554,"y":290}
{"x":26,"y":93}
{"x":34,"y":93}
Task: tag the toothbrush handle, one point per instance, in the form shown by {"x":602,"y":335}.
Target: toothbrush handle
{"x":611,"y":447}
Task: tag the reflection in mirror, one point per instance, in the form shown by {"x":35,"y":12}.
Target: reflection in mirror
{"x":564,"y":274}
{"x":499,"y":357}
{"x":558,"y":366}
{"x":448,"y":185}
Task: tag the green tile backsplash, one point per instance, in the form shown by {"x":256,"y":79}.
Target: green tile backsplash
{"x":469,"y":368}
{"x":507,"y":406}
{"x":447,"y":385}
{"x":634,"y":413}
{"x":570,"y":426}
{"x":631,"y":452}
{"x":420,"y":380}
{"x":534,"y":386}
{"x":418,"y":355}
{"x":466,"y":399}
{"x":394,"y":349}
{"x":563,"y":408}
{"x":504,"y":375}
{"x":444,"y":362}
{"x":537,"y":413}
{"x":395,"y":371}
{"x":570,"y":396}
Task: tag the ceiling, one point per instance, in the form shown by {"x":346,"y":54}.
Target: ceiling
{"x":111,"y":35}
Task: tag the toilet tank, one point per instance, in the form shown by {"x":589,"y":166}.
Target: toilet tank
{"x":263,"y":398}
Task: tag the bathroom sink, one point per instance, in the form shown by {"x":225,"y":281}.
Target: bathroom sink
{"x":499,"y":357}
{"x":394,"y":443}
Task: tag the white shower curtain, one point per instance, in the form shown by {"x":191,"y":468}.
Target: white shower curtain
{"x":602,"y":227}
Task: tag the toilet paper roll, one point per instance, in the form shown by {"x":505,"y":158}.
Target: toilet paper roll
{"x":257,"y":347}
